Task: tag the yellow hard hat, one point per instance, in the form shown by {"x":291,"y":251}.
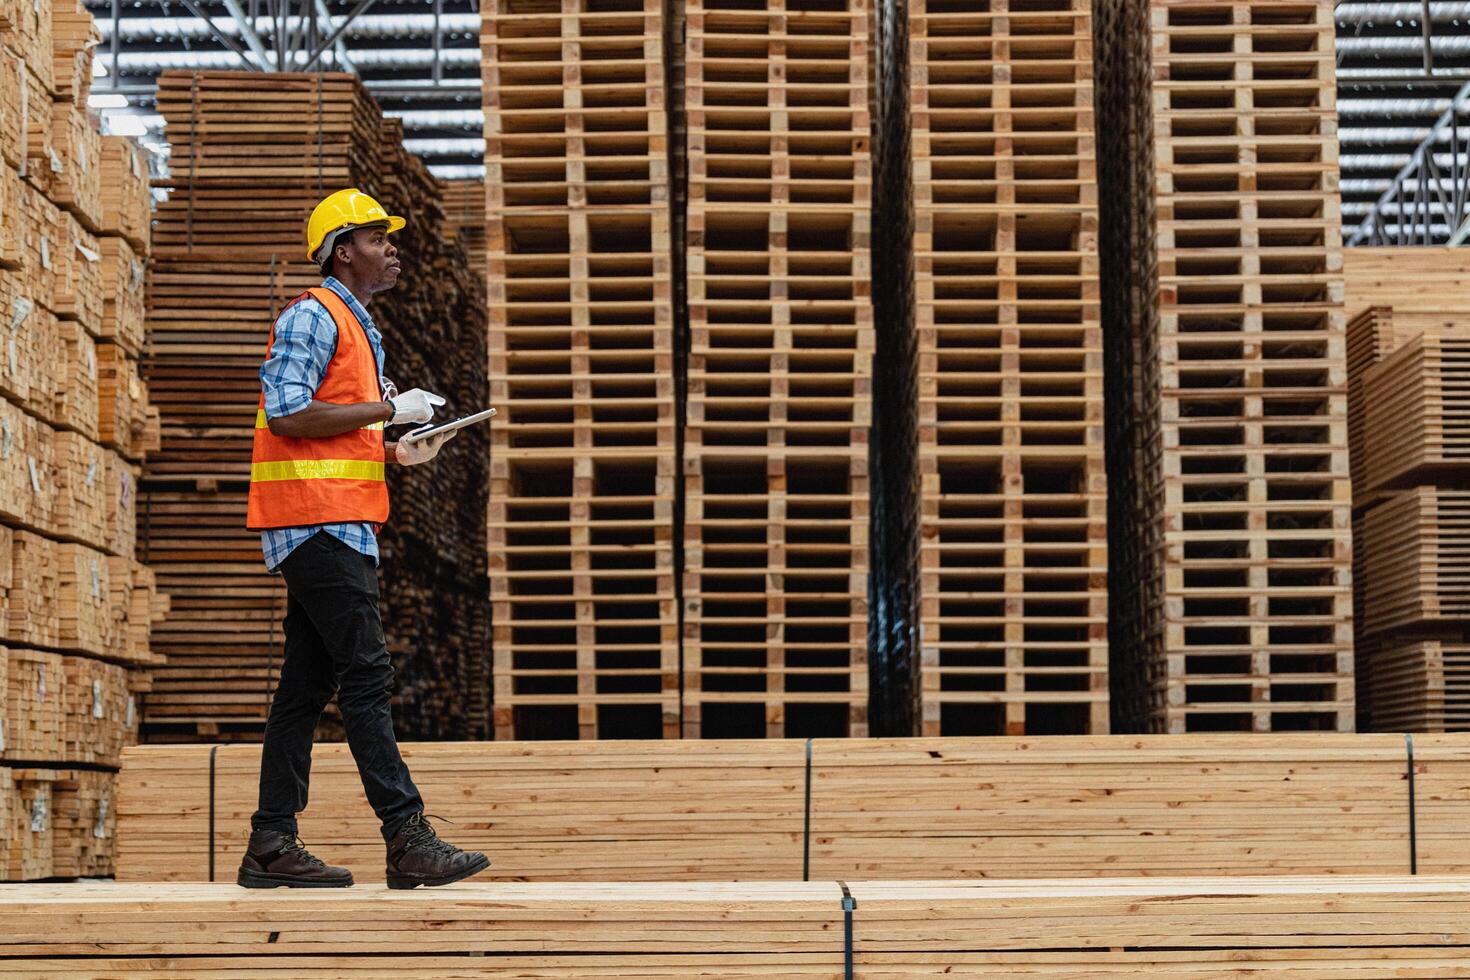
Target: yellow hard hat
{"x":343,"y":211}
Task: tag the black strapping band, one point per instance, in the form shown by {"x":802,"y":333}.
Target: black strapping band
{"x":212,"y":750}
{"x":806,"y":819}
{"x":849,"y":904}
{"x":1413,"y":816}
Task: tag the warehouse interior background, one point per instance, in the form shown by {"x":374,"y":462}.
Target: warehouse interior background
{"x":941,"y":368}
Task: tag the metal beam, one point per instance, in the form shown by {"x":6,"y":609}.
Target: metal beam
{"x":362,"y":7}
{"x":1424,"y":24}
{"x":340,"y":48}
{"x":220,"y":35}
{"x":1416,"y":171}
{"x":247,"y":31}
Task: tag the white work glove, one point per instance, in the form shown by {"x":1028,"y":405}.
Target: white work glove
{"x":423,"y":450}
{"x":414,"y":405}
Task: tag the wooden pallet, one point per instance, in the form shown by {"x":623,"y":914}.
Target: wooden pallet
{"x":779,"y":372}
{"x":1013,"y":554}
{"x":577,"y":238}
{"x":926,"y":808}
{"x":1235,"y":613}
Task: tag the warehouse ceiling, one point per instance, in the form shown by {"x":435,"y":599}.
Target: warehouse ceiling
{"x":1396,"y":81}
{"x":420,"y":59}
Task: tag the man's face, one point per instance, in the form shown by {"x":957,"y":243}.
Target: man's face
{"x":372,"y":258}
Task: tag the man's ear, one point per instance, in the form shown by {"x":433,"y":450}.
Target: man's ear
{"x":341,"y":253}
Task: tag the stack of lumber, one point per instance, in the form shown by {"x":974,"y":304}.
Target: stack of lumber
{"x":583,"y":467}
{"x":76,"y":609}
{"x":1374,"y":928}
{"x":464,"y":212}
{"x":213,"y":294}
{"x":914,"y":808}
{"x":1223,"y":302}
{"x":780,"y":369}
{"x":1013,"y":560}
{"x":1409,"y":426}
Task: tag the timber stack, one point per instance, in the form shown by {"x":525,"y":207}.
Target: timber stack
{"x":230,"y":254}
{"x":583,"y":469}
{"x":1409,"y":417}
{"x":464,"y":211}
{"x":1230,"y":499}
{"x":76,"y":608}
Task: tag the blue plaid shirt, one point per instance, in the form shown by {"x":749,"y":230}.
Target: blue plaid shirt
{"x":305,"y":343}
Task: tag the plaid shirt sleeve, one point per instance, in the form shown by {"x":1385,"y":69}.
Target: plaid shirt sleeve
{"x":305,"y":342}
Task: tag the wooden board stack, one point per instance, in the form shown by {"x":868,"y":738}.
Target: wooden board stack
{"x":229,"y":254}
{"x":1013,"y":559}
{"x":913,"y":808}
{"x":1409,"y":420}
{"x":76,"y":609}
{"x":464,"y":212}
{"x":1374,"y":928}
{"x":582,"y":486}
{"x":780,"y":369}
{"x":1231,"y":607}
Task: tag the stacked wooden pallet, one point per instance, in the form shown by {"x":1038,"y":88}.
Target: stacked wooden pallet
{"x":1231,"y":607}
{"x":925,"y":808}
{"x":780,"y":369}
{"x":582,"y":485}
{"x":229,"y":255}
{"x":1375,"y":928}
{"x":1409,"y":363}
{"x":1013,"y":557}
{"x":76,"y":609}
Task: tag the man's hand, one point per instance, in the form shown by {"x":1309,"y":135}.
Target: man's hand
{"x":422,"y":450}
{"x":414,"y":405}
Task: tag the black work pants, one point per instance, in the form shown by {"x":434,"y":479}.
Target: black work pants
{"x":334,"y":645}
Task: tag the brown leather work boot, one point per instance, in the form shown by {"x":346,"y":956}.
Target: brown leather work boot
{"x":275,"y":859}
{"x":416,"y":856}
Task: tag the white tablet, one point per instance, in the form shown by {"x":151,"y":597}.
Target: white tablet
{"x":434,"y":428}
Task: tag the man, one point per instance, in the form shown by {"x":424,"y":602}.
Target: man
{"x":318,"y":496}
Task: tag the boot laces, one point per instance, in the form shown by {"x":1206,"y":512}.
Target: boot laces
{"x":422,"y":835}
{"x":296,"y":846}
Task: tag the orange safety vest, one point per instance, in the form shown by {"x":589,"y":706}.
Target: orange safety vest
{"x":295,"y":482}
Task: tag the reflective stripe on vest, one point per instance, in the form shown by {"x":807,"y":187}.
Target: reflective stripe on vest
{"x":316,"y":469}
{"x":301,"y":481}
